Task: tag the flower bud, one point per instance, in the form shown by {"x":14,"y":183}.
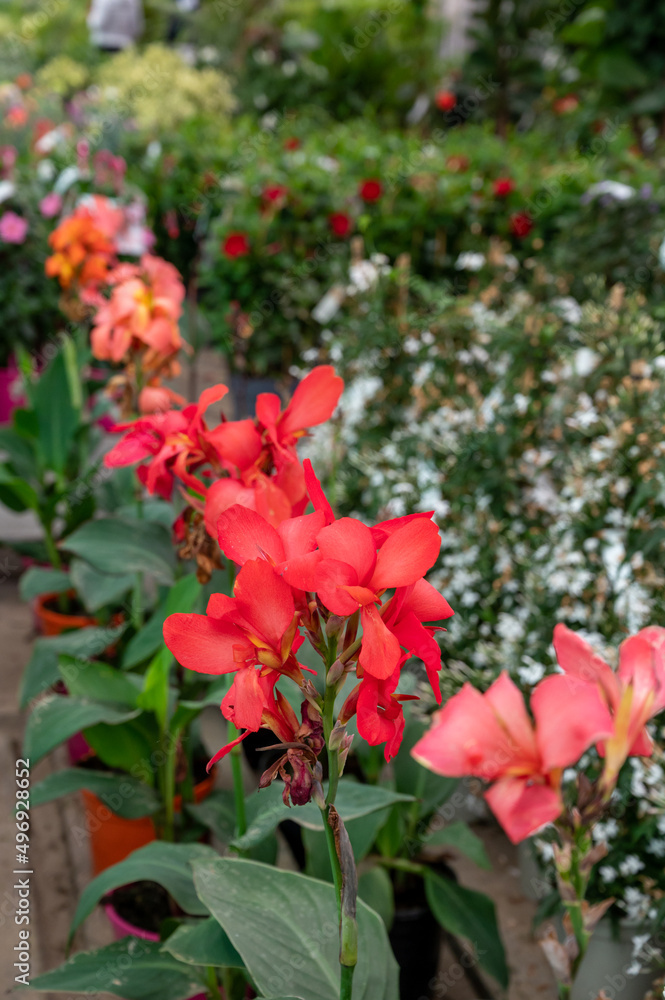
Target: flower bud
{"x":334,"y":625}
{"x":335,"y":673}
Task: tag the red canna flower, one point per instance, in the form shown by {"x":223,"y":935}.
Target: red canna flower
{"x":370,"y":190}
{"x":503,"y":187}
{"x":491,"y":736}
{"x":173,"y":441}
{"x":236,"y":245}
{"x":445,"y":100}
{"x":521,"y":224}
{"x":292,"y":143}
{"x":253,"y":634}
{"x":340,"y":224}
{"x":260,"y":454}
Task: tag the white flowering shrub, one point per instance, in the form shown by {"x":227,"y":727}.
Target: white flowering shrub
{"x":533,"y":425}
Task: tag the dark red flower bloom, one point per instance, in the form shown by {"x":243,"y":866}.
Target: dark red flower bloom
{"x":292,"y":143}
{"x":445,"y":100}
{"x":503,"y":186}
{"x":521,"y":224}
{"x":275,"y":193}
{"x":236,"y":245}
{"x":340,"y":223}
{"x":370,"y":190}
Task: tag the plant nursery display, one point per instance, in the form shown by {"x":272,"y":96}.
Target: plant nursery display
{"x":331,"y":467}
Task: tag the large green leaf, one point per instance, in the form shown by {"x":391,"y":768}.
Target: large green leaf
{"x":96,"y":681}
{"x":170,"y":865}
{"x":126,"y":796}
{"x":57,"y":416}
{"x":42,"y":669}
{"x":97,"y":589}
{"x":43,"y":580}
{"x":132,"y":968}
{"x":362,"y":834}
{"x":134,"y":752}
{"x":459,"y":836}
{"x":284,"y":925}
{"x":352,"y":801}
{"x":58,"y":717}
{"x":112,"y":545}
{"x":19,"y":452}
{"x":16,"y":494}
{"x":203,"y":942}
{"x":472,"y":915}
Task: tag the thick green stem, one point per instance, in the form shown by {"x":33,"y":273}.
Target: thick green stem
{"x":348,"y":948}
{"x":51,"y":547}
{"x":238,"y":787}
{"x":346,"y":982}
{"x":213,"y":985}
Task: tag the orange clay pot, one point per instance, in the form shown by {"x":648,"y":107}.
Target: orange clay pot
{"x":52,"y":622}
{"x":113,"y":838}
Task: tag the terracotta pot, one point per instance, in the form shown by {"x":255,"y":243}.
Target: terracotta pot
{"x":52,"y":622}
{"x":113,"y":838}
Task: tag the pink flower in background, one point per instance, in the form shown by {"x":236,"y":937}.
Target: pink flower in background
{"x":634,"y":694}
{"x":50,"y":205}
{"x":491,"y":736}
{"x":8,"y":157}
{"x":13,"y":228}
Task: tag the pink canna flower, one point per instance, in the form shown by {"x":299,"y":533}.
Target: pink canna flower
{"x":491,"y":736}
{"x":634,"y":694}
{"x":141,"y":315}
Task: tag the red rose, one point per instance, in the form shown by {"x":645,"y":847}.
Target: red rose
{"x":503,"y":186}
{"x":521,"y":224}
{"x":445,"y":100}
{"x":370,"y":190}
{"x":274,"y":193}
{"x":340,"y":223}
{"x":292,"y":143}
{"x":235,"y":245}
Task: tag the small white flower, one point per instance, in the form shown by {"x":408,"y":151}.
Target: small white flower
{"x":470,"y":261}
{"x":607,"y":873}
{"x":630,"y":865}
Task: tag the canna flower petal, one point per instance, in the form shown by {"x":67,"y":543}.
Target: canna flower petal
{"x":243,"y":535}
{"x":349,"y":541}
{"x":316,"y":494}
{"x":522,"y":807}
{"x":569,"y":719}
{"x":313,"y":402}
{"x":204,"y":644}
{"x":406,"y":555}
{"x":465,"y":738}
{"x":223,"y":494}
{"x":579,"y":660}
{"x":237,"y":442}
{"x":264,"y":601}
{"x":380,"y":653}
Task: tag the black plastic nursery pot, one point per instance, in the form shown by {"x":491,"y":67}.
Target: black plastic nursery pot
{"x":415,"y":938}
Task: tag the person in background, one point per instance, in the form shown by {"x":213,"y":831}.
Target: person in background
{"x":115,"y":24}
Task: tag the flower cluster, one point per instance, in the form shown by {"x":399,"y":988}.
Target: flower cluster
{"x":490,"y":736}
{"x":328,"y":577}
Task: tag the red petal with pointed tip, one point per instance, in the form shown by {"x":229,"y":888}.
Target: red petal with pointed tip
{"x":384,"y":529}
{"x":243,"y":535}
{"x":313,"y":401}
{"x":264,"y":600}
{"x":379,"y":653}
{"x":427,"y":603}
{"x":316,"y":494}
{"x":227,"y":749}
{"x":406,"y":555}
{"x":204,"y":644}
